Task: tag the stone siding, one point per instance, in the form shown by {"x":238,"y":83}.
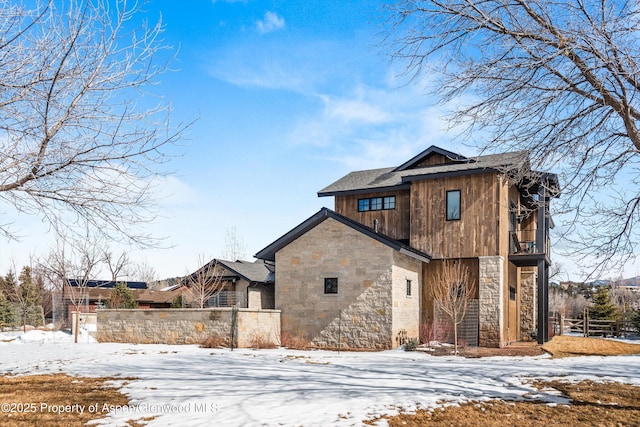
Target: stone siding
{"x":187,"y":326}
{"x":528,"y":304}
{"x":360,"y":315}
{"x":406,"y":308}
{"x":491,"y":301}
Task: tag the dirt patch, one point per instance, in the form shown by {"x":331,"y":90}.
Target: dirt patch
{"x":57,"y":400}
{"x":516,"y":349}
{"x":567,"y":346}
{"x":592,"y":404}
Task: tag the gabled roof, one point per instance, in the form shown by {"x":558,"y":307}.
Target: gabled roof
{"x":256,"y":271}
{"x":395,"y":178}
{"x":455,"y":157}
{"x":269,"y":253}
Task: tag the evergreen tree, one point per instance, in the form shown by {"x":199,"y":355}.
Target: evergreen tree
{"x":603,"y":308}
{"x":635,"y":319}
{"x":28,"y":298}
{"x":122,"y":297}
{"x":6,"y":311}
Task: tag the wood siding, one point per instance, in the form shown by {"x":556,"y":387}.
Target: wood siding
{"x":432,"y":160}
{"x":484,"y":204}
{"x":391,"y":222}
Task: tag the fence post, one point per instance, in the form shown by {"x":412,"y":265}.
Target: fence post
{"x":234,"y":325}
{"x":561,"y":331}
{"x":585,"y":324}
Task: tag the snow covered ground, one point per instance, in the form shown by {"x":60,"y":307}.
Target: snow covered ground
{"x":192,"y":386}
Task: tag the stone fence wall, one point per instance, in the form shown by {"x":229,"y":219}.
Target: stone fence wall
{"x":250,"y":327}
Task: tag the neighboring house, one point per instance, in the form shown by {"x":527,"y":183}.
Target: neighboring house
{"x":246,"y":284}
{"x":341,"y":273}
{"x":97,"y":293}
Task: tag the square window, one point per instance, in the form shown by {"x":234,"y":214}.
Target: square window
{"x":453,"y":205}
{"x":376,"y":204}
{"x":408,"y":288}
{"x":390,"y":202}
{"x":363,"y":205}
{"x":331,"y":285}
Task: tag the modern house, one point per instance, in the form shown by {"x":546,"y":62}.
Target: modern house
{"x":361,"y":275}
{"x":245,"y":284}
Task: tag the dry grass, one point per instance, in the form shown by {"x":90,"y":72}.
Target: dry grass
{"x":262,"y":342}
{"x":593,"y":404}
{"x":214,"y":341}
{"x":294,"y":342}
{"x":47,"y":400}
{"x":566,"y":346}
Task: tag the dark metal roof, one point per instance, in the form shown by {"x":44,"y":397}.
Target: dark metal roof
{"x":269,"y":253}
{"x":106,"y":284}
{"x":375,"y":180}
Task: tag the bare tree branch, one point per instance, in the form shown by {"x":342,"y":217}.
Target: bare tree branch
{"x":558,"y":79}
{"x":79,"y":134}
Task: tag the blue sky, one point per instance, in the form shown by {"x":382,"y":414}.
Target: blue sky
{"x":289,"y":97}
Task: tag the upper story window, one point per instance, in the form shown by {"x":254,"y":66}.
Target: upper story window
{"x":376,"y":203}
{"x":453,"y":205}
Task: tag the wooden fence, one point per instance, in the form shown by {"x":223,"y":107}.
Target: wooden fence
{"x":591,"y":327}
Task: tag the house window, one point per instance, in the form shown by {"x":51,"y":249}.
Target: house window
{"x":389,"y":202}
{"x":453,"y":205}
{"x":377,"y":203}
{"x":408,"y":288}
{"x":331,"y":285}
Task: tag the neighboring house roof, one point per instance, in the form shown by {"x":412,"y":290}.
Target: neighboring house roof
{"x":107,"y":284}
{"x":269,"y":253}
{"x":400,"y":177}
{"x":256,"y":271}
{"x":140,"y":295}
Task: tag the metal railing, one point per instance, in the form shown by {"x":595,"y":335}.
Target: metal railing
{"x":228,"y":299}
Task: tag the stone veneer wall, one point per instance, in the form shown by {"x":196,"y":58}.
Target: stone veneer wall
{"x":406,"y":308}
{"x":187,"y":326}
{"x":491,"y":301}
{"x":528,"y":304}
{"x":360,"y":315}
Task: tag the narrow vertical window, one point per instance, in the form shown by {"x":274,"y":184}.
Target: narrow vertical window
{"x":331,"y":285}
{"x":453,"y":205}
{"x":408,"y":288}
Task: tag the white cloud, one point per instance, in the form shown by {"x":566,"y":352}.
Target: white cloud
{"x":271,"y":22}
{"x":372,"y":127}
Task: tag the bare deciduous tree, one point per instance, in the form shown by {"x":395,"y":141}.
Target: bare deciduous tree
{"x":559,"y":79}
{"x":206,"y":282}
{"x":452,"y":291}
{"x":69,"y":268}
{"x":79,"y":137}
{"x":234,"y":247}
{"x":117,"y":266}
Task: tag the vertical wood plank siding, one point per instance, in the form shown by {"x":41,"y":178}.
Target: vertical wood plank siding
{"x":392,"y":222}
{"x":477,"y":233}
